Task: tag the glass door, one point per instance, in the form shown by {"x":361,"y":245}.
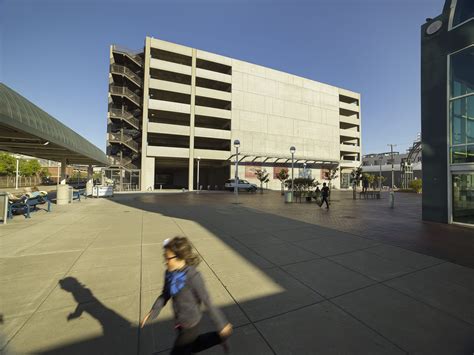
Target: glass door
{"x":463,"y":197}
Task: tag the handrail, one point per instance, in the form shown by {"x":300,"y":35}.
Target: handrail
{"x":123,"y":138}
{"x":120,"y":69}
{"x":126,"y":116}
{"x":132,"y":54}
{"x":122,"y":90}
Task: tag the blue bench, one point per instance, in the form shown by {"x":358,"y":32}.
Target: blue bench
{"x":28,"y":205}
{"x":76,"y":194}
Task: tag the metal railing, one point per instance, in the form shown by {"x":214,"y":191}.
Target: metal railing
{"x":124,"y":139}
{"x":121,"y":90}
{"x":120,"y":69}
{"x":134,"y":55}
{"x":125,"y":162}
{"x":127,"y":116}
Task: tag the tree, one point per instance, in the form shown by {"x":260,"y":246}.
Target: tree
{"x":380,"y":180}
{"x":282,"y":176}
{"x":416,"y":185}
{"x":29,"y":167}
{"x":332,"y":175}
{"x":262,"y":176}
{"x":7,"y":164}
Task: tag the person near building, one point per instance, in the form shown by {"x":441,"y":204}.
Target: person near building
{"x":325,"y":195}
{"x":185,"y":285}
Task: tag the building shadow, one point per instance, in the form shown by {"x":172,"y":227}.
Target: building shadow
{"x":220,"y":218}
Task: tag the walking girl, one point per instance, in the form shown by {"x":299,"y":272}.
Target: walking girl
{"x":185,"y":285}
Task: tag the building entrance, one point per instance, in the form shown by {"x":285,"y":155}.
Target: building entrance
{"x":463,"y":198}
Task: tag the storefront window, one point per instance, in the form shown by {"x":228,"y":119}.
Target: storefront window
{"x":462,"y":106}
{"x":463,"y":198}
{"x":463,"y":12}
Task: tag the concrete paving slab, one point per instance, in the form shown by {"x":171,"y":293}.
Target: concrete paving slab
{"x":113,"y":256}
{"x":235,"y":261}
{"x":456,"y":274}
{"x":117,"y":241}
{"x":245,"y":340}
{"x":404,"y":257}
{"x":266,"y":295}
{"x":335,"y":244}
{"x":328,"y":278}
{"x":69,"y":241}
{"x":323,"y":329}
{"x":412,"y":325}
{"x":285,"y":253}
{"x":255,"y":239}
{"x":430,"y":287}
{"x":83,"y":286}
{"x":371,"y":265}
{"x":95,"y":328}
{"x":158,"y":335}
{"x":23,"y":295}
{"x":32,"y":265}
{"x":8,"y":328}
{"x":302,"y":232}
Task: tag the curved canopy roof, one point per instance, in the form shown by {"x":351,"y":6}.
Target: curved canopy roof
{"x":27,"y":129}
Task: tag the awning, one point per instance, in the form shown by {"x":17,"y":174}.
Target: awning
{"x":27,"y":129}
{"x":271,"y":159}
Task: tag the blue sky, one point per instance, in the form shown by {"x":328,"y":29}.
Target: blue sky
{"x":56,"y":52}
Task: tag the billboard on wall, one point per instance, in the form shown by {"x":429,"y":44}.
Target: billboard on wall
{"x":250,"y":171}
{"x":324,"y":174}
{"x":277,"y":170}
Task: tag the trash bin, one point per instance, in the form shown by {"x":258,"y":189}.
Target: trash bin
{"x":288,"y":196}
{"x":62,"y":197}
{"x":3,"y":207}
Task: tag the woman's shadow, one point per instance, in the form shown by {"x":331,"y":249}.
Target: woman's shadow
{"x":119,"y":335}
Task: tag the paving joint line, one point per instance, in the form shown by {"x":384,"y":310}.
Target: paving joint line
{"x":228,"y":292}
{"x":46,"y":297}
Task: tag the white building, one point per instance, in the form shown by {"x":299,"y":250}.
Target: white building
{"x":171,"y":105}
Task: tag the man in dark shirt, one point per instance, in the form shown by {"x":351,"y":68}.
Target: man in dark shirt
{"x":325,"y":195}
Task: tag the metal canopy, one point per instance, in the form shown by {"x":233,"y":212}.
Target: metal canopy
{"x":27,"y":129}
{"x":266,"y":159}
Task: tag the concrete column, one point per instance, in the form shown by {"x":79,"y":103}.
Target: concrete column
{"x":90,"y":181}
{"x":191,"y":125}
{"x":145,"y":179}
{"x":62,"y":194}
{"x":63,"y":171}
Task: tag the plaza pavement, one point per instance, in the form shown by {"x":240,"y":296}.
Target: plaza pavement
{"x":292,"y":279}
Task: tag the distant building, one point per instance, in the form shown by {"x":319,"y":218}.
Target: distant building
{"x":406,"y":166}
{"x":171,"y":106}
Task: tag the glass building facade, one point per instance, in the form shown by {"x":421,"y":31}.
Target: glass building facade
{"x":447,"y":96}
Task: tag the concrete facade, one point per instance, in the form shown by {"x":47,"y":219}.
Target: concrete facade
{"x":196,"y":104}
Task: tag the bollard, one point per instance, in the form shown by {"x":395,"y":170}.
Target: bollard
{"x":392,"y":199}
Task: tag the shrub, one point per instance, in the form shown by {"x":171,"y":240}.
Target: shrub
{"x":416,"y":185}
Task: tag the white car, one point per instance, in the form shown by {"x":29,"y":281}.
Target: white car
{"x":243,"y":185}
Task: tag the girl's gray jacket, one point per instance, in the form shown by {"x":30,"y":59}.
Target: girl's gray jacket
{"x":187,"y":302}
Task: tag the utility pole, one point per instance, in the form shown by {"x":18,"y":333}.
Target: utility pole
{"x":391,"y":157}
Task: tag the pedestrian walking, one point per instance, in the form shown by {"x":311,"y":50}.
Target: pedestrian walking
{"x":185,"y":285}
{"x":325,"y":195}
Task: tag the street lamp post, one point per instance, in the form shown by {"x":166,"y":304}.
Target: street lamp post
{"x":17,"y":164}
{"x":292,"y":151}
{"x":198,"y":159}
{"x":380,"y":173}
{"x":236,"y":180}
